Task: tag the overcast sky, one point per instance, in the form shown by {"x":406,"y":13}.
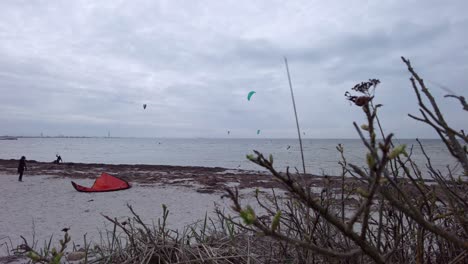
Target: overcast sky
{"x":87,"y":67}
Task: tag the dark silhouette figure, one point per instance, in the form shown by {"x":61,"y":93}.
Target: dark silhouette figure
{"x":21,"y":168}
{"x":58,"y":160}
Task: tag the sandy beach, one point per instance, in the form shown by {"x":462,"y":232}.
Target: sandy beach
{"x":45,"y":205}
{"x":45,"y":202}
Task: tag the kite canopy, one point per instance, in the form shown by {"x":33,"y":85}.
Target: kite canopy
{"x":104,"y":183}
{"x":258,"y":131}
{"x":250,"y":95}
{"x":144,"y":106}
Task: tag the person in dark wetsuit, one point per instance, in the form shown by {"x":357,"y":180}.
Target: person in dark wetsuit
{"x":58,"y":160}
{"x":21,"y":168}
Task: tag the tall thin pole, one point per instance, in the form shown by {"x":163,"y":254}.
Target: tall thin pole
{"x":295,"y":114}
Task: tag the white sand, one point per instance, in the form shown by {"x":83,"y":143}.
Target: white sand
{"x":53,"y":204}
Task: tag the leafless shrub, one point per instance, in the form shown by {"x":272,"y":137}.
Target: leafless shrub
{"x":209,"y":241}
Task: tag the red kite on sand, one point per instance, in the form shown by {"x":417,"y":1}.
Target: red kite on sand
{"x":104,"y":183}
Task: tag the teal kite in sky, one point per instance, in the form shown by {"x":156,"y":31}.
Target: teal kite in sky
{"x":250,"y":95}
{"x":258,"y":132}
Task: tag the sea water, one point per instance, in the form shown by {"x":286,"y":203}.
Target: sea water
{"x":320,"y":155}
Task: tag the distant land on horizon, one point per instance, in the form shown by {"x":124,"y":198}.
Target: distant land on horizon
{"x":62,"y":136}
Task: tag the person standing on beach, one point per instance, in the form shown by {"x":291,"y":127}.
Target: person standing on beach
{"x":21,"y":168}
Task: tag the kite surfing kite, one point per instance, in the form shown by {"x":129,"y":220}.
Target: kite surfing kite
{"x":258,"y":132}
{"x":104,"y":183}
{"x":250,"y":95}
{"x":144,"y":106}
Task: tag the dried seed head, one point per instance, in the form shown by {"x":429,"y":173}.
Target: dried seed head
{"x":363,"y":88}
{"x":362,"y":100}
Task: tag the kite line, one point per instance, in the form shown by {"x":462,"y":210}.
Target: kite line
{"x":295,"y":114}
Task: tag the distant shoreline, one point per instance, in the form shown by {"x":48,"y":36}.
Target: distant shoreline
{"x":205,"y":138}
{"x":53,"y":137}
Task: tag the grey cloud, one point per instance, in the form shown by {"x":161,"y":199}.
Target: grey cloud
{"x":91,"y":65}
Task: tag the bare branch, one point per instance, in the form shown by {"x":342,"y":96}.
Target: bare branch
{"x":461,"y":99}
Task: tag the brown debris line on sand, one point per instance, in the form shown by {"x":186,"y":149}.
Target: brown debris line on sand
{"x":205,"y":179}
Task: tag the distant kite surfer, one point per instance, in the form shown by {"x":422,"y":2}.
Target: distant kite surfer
{"x":21,"y":168}
{"x":144,"y":106}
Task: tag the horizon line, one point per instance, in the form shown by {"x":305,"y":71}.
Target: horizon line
{"x":137,"y":137}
